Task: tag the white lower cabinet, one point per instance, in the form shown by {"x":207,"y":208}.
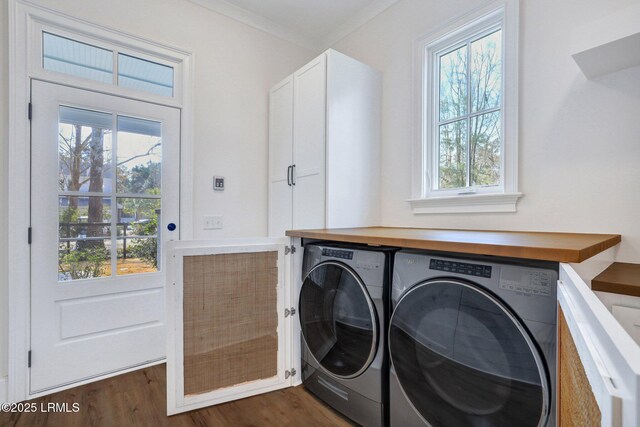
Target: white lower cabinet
{"x":599,"y":363}
{"x":229,"y":320}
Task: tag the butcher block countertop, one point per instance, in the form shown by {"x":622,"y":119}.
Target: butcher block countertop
{"x":559,"y":247}
{"x":620,"y":278}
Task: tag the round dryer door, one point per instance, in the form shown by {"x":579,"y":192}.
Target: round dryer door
{"x":338,"y":320}
{"x":463,"y":359}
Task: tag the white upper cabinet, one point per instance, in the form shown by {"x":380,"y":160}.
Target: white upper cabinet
{"x":324,"y":146}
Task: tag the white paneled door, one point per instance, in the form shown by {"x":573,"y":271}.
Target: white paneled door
{"x":105,"y":199}
{"x":281,"y":157}
{"x":308,"y":175}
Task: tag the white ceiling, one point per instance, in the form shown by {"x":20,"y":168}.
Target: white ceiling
{"x":315,"y":24}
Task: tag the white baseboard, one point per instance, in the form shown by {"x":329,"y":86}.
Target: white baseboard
{"x":3,"y":389}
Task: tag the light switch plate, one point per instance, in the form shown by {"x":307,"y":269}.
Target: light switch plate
{"x":213,"y":222}
{"x":218,"y":183}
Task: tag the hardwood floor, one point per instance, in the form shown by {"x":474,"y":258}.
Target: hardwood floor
{"x":139,"y":399}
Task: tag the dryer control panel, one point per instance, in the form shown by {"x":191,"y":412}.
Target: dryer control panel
{"x":527,"y":281}
{"x":478,"y":270}
{"x":337,"y":253}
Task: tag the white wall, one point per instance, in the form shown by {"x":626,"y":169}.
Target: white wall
{"x":579,"y":139}
{"x":3,"y":194}
{"x":234,"y":67}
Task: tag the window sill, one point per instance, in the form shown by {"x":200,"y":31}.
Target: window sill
{"x":471,"y":203}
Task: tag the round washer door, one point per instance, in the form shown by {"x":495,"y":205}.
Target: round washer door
{"x":338,"y":320}
{"x":463,"y":359}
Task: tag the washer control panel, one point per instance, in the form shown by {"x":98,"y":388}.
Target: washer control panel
{"x":337,"y":253}
{"x":527,"y":281}
{"x":477,"y":270}
{"x":368,"y":260}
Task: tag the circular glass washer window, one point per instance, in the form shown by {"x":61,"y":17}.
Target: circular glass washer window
{"x":462,"y":358}
{"x":338,"y":320}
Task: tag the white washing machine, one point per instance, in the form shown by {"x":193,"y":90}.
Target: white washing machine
{"x":472,"y":341}
{"x":343,"y":310}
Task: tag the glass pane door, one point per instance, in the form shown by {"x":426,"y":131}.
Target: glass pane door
{"x":104,"y":199}
{"x":107,"y":222}
{"x":139,"y":169}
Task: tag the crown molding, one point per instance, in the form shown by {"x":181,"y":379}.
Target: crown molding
{"x":320,"y":44}
{"x":355,"y":22}
{"x":256,"y":21}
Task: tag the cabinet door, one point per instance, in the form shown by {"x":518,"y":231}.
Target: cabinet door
{"x":598,"y":362}
{"x":280,"y":157}
{"x":228,"y":337}
{"x":309,"y":145}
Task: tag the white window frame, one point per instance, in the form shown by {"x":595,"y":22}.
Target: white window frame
{"x":26,"y":21}
{"x":425,"y":199}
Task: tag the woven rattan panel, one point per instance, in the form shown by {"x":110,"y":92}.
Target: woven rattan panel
{"x":578,"y":406}
{"x":230,"y":320}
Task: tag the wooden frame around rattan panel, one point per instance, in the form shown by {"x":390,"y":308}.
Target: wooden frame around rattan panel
{"x":179,"y":401}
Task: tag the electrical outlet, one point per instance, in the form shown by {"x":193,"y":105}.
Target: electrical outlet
{"x":213,"y":222}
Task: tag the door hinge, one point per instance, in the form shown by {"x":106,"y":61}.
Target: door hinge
{"x":289,"y":311}
{"x":29,"y":235}
{"x":30,"y":111}
{"x":289,"y":250}
{"x":29,"y":359}
{"x":291,"y":373}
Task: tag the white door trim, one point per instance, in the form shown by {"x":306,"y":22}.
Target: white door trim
{"x":23,"y":16}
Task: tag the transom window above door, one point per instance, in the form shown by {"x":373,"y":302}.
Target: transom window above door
{"x":79,"y":59}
